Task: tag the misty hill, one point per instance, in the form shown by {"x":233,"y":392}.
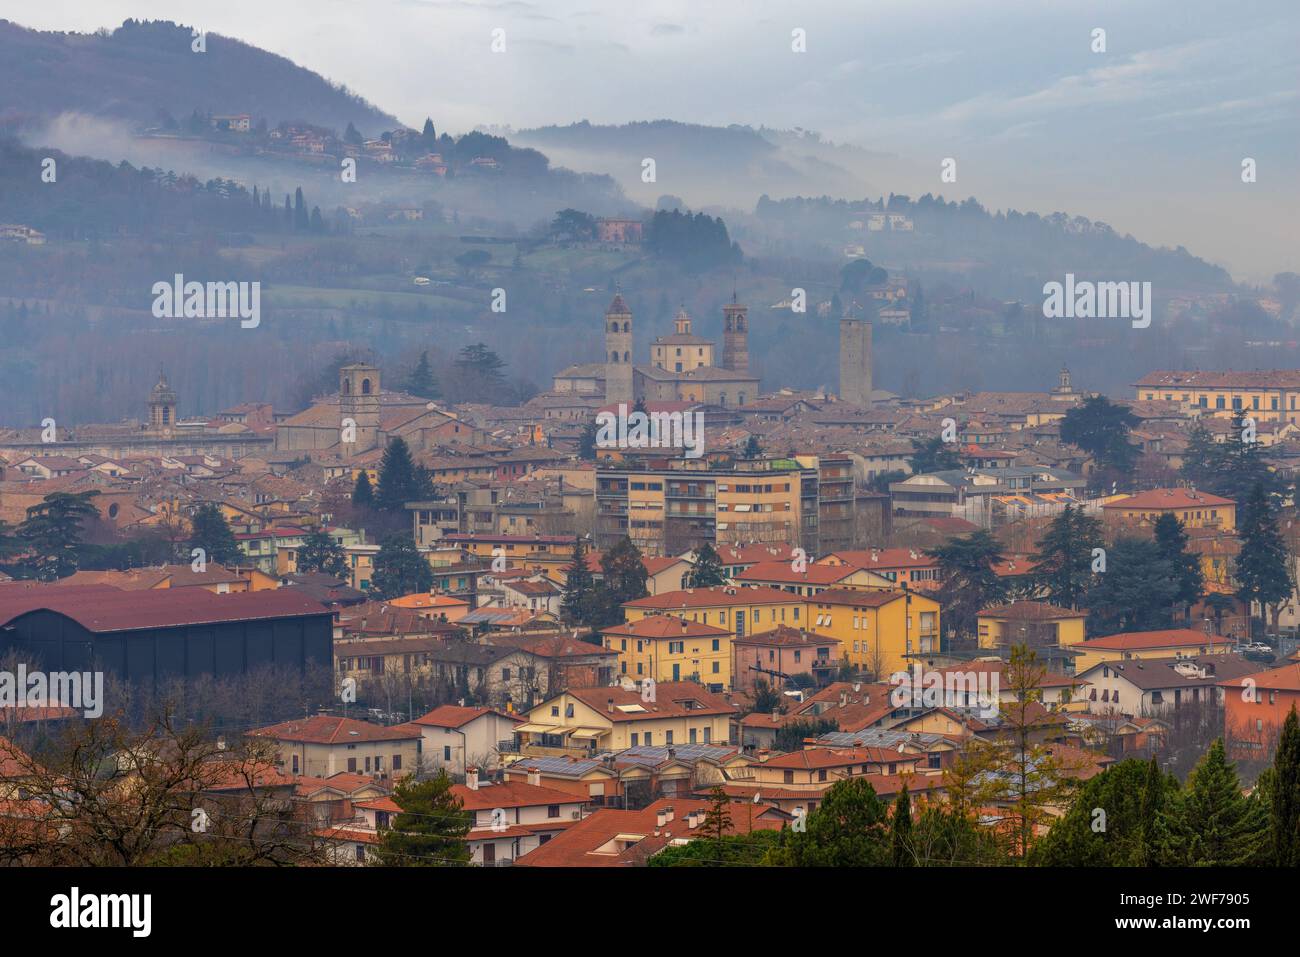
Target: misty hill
{"x":707,"y":165}
{"x":143,"y":68}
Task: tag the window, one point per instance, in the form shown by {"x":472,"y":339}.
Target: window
{"x":446,"y":752}
{"x":552,"y":810}
{"x":789,"y":777}
{"x":397,"y":762}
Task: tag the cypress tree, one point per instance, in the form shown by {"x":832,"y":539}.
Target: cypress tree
{"x":1284,"y":803}
{"x":901,"y":826}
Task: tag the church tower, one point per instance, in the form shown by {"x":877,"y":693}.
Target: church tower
{"x":735,"y":336}
{"x":359,"y":401}
{"x":162,"y":407}
{"x":618,"y":351}
{"x":855,"y":361}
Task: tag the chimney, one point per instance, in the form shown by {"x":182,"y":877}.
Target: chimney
{"x":668,"y":814}
{"x":471,"y":778}
{"x":535,"y":777}
{"x":609,"y":705}
{"x":763,"y":756}
{"x":844,"y":698}
{"x":661,"y":819}
{"x":692,"y":820}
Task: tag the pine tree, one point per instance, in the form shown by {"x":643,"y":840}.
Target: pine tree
{"x":717,"y":819}
{"x":969,"y":583}
{"x":707,"y":569}
{"x":901,"y":831}
{"x":52,"y":531}
{"x":399,"y":480}
{"x":210,"y":532}
{"x":400,"y":569}
{"x":1146,"y":850}
{"x":1064,"y":558}
{"x":1284,"y":795}
{"x":1217,"y":825}
{"x":579,"y":587}
{"x":363,"y":495}
{"x":1171,"y":540}
{"x":421,"y":381}
{"x":321,"y":553}
{"x":1261,"y":570}
{"x":430,"y":830}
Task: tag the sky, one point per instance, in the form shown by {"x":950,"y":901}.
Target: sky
{"x":1148,"y":136}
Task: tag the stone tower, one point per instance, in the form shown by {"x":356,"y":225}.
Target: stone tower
{"x":359,"y":401}
{"x":735,"y":336}
{"x":162,"y":407}
{"x":855,"y":361}
{"x":618,"y":351}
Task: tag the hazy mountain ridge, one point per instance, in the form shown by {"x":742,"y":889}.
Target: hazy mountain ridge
{"x":143,"y":67}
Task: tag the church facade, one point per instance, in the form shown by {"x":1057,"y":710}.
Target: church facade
{"x":683,"y":366}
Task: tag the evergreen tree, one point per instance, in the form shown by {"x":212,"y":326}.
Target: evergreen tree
{"x":352,"y":136}
{"x":1284,"y":795}
{"x":624,"y":581}
{"x":1217,"y":826}
{"x":968,"y":582}
{"x":901,"y":831}
{"x":579,"y":596}
{"x":210,"y":532}
{"x":399,"y":480}
{"x":1108,"y":820}
{"x":51,"y":533}
{"x":431,"y":828}
{"x":300,"y":220}
{"x":753,"y":448}
{"x":421,"y":381}
{"x":1261,"y":569}
{"x":1171,"y":541}
{"x":1137,"y":591}
{"x":1064,"y":558}
{"x":1101,"y":428}
{"x":717,"y":819}
{"x":363,"y":495}
{"x":321,"y":553}
{"x":587,"y":442}
{"x":707,"y":569}
{"x":1152,"y":827}
{"x":400,"y":569}
{"x":933,"y":455}
{"x":849,"y":828}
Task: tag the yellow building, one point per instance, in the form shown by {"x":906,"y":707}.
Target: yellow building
{"x":361,"y":565}
{"x":1194,"y":509}
{"x":811,"y":578}
{"x":669,"y":648}
{"x":1264,"y":395}
{"x":1030,"y":623}
{"x":516,"y":549}
{"x":591,"y":720}
{"x":741,"y":611}
{"x":1130,"y":645}
{"x":877,"y":630}
{"x":682,"y":351}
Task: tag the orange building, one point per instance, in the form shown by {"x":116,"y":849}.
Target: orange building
{"x":1254,"y":708}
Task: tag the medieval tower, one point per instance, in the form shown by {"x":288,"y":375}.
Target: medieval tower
{"x":359,"y":401}
{"x":618,"y":351}
{"x":735,"y":336}
{"x":855,"y":361}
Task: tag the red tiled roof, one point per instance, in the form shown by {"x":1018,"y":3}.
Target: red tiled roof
{"x":784,"y":636}
{"x":328,"y":729}
{"x":714,"y":596}
{"x":1166,"y":498}
{"x":453,"y":716}
{"x":1164,"y":638}
{"x":784,"y":572}
{"x":664,"y":626}
{"x":101,"y":609}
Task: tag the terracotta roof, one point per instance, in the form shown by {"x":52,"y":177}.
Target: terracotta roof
{"x":1167,"y":498}
{"x":784,"y":572}
{"x":494,"y":794}
{"x":1164,"y":638}
{"x":101,"y":609}
{"x":329,"y":729}
{"x":784,"y":636}
{"x":713,"y":597}
{"x":1285,"y":678}
{"x":591,"y":842}
{"x":671,"y":700}
{"x":453,"y":716}
{"x":811,"y":759}
{"x":664,"y":626}
{"x":858,"y":599}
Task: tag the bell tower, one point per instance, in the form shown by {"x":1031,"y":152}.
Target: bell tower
{"x":735,"y":336}
{"x":618,"y":351}
{"x":359,"y":401}
{"x":162,"y":407}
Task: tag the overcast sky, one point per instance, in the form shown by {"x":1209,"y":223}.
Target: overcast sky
{"x":1148,"y":136}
